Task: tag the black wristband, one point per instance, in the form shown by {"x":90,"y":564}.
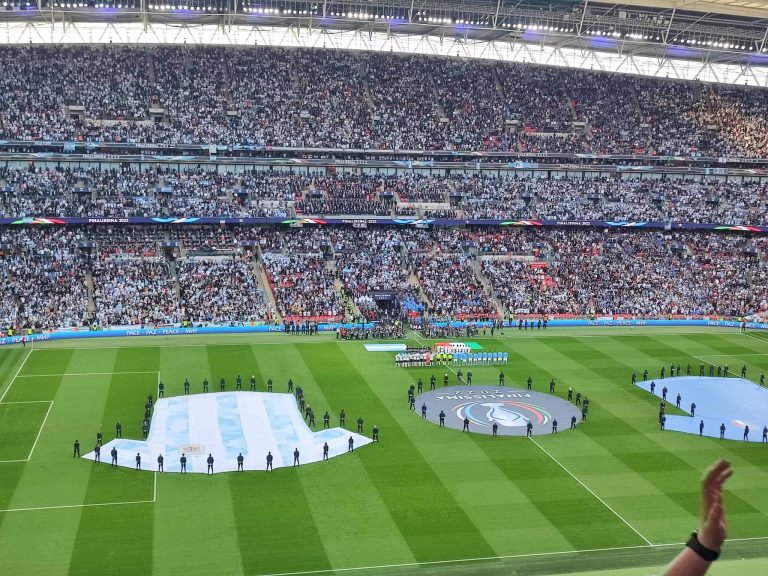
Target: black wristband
{"x":704,"y":552}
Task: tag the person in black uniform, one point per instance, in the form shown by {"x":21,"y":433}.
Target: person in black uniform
{"x":578,"y":399}
{"x":326,"y":420}
{"x":113,"y":453}
{"x":653,"y":386}
{"x":762,"y":379}
{"x":711,"y":370}
{"x":573,"y":422}
{"x":149,"y":399}
{"x":645,"y":374}
{"x":495,"y":429}
{"x":701,"y":370}
{"x":342,"y":418}
{"x":239,"y":383}
{"x":432,"y":380}
{"x":209,"y":460}
{"x":554,"y":426}
{"x":719,"y":371}
{"x":269,"y":459}
{"x":663,"y":371}
{"x":240,"y":462}
{"x":420,"y":386}
{"x":746,"y":433}
{"x":530,"y":382}
{"x":570,"y":394}
{"x":296,"y":457}
{"x":466,"y":425}
{"x":351,"y":444}
{"x":678,"y":399}
{"x":160,"y":461}
{"x":118,"y":430}
{"x":145,"y":430}
{"x":424,"y":410}
{"x":701,"y":427}
{"x":360,"y":424}
{"x":634,"y":378}
{"x":725,"y":371}
{"x":161,"y":390}
{"x":97,"y":453}
{"x":222,"y":385}
{"x":688,"y":369}
{"x":312,"y":418}
{"x":183,"y":462}
{"x":584,"y":411}
{"x":442,"y":418}
{"x":765,"y":434}
{"x":501,"y":378}
{"x":325,"y":451}
{"x":744,"y":371}
{"x":469,"y":377}
{"x":412,"y":403}
{"x":138,"y":461}
{"x":269,"y":384}
{"x":693,"y":409}
{"x":459,"y":375}
{"x":445,"y":380}
{"x":290,"y":385}
{"x":253,"y":383}
{"x":375,"y":433}
{"x":664,"y":392}
{"x":529,"y":429}
{"x":552,"y":386}
{"x":722,"y":430}
{"x":99,"y":437}
{"x":186,"y":385}
{"x":663,"y":421}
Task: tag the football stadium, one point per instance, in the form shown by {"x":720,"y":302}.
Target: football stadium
{"x":383,"y":287}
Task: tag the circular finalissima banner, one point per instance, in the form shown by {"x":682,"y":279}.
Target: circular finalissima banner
{"x":510,"y":408}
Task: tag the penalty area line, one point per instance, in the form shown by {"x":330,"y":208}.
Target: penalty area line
{"x":39,"y":432}
{"x":82,"y":374}
{"x":17,"y":374}
{"x":588,"y":489}
{"x":77,"y":506}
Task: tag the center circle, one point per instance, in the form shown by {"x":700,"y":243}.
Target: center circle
{"x":510,"y":408}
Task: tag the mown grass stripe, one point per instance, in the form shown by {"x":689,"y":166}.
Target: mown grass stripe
{"x":423,"y":509}
{"x":98,"y":529}
{"x":354,"y":524}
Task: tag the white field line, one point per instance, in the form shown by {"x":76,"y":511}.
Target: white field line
{"x":39,"y":432}
{"x":588,"y":489}
{"x":465,"y":560}
{"x":77,"y":506}
{"x":27,"y":402}
{"x":81,"y":374}
{"x":561,"y":331}
{"x":16,"y":375}
{"x":737,"y":355}
{"x":763,"y":340}
{"x":154,"y":499}
{"x":10,"y":461}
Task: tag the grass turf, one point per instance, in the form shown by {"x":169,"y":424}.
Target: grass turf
{"x":423,"y":500}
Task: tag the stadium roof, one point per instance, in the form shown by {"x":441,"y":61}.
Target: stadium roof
{"x":678,"y":38}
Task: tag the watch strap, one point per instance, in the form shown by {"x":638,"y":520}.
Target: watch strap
{"x":705,"y":553}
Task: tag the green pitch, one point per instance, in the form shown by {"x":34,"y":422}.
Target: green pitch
{"x":616,"y":494}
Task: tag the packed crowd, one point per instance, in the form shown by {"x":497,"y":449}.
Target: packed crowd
{"x":389,"y":274}
{"x":43,"y":275}
{"x":329,"y":98}
{"x":221,"y":290}
{"x":612,"y":272}
{"x":260,"y":193}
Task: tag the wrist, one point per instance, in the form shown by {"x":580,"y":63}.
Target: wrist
{"x":707,"y":550}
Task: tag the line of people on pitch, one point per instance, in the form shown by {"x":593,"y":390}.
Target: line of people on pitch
{"x":210,"y":460}
{"x":722,"y":371}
